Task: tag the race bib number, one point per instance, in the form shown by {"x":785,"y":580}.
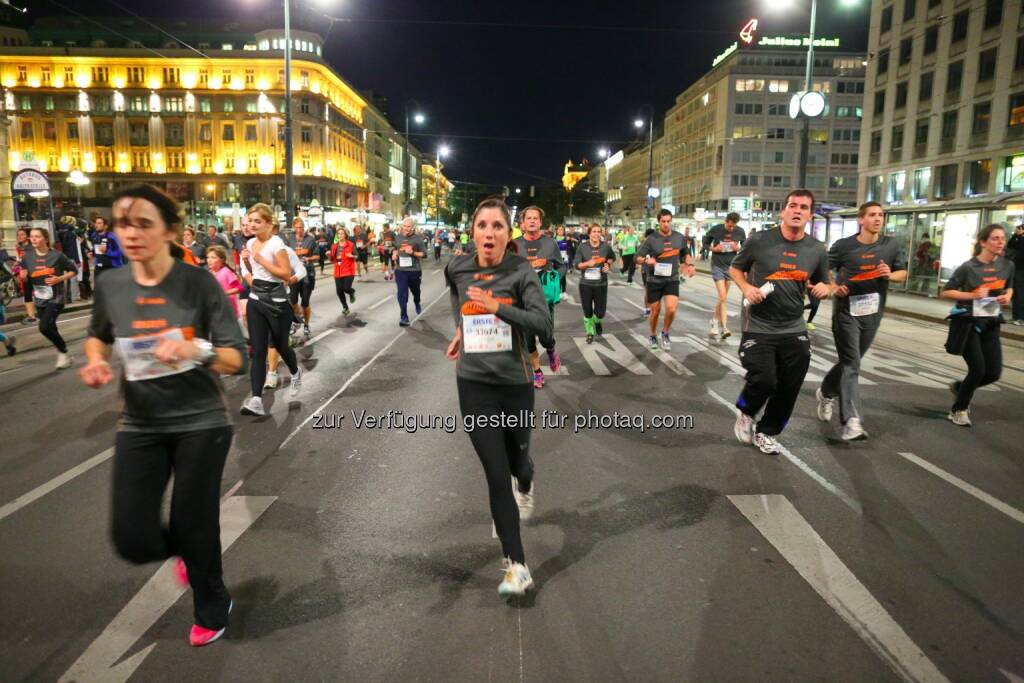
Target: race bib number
{"x":864,"y":304}
{"x":405,"y":261}
{"x":139,"y":362}
{"x":987,"y":307}
{"x":592,"y":274}
{"x":359,"y":245}
{"x":485,"y":334}
{"x":99,"y":248}
{"x":565,"y":255}
{"x":728,"y":246}
{"x":663,"y":269}
{"x":42,"y":292}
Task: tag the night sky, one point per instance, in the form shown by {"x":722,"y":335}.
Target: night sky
{"x":517,"y":87}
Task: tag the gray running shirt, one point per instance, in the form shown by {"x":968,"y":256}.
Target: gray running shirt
{"x":417,"y":245}
{"x":190,"y":300}
{"x":856,"y":266}
{"x":524,"y":308}
{"x":790,"y":266}
{"x":719,"y":235}
{"x":669,"y":248}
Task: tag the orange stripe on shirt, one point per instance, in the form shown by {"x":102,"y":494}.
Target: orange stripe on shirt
{"x":788,"y":275}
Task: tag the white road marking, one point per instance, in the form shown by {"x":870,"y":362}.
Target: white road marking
{"x":356,"y":375}
{"x":35,"y":494}
{"x":670,"y":362}
{"x":99,"y":662}
{"x":1012,"y":677}
{"x":800,"y":464}
{"x":320,"y":336}
{"x":783,"y":526}
{"x":389,"y":297}
{"x":993,"y":502}
{"x":615,"y":351}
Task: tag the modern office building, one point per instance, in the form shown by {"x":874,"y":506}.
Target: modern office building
{"x":943,"y":142}
{"x":203,"y":121}
{"x":730,"y":143}
{"x":627,"y":172}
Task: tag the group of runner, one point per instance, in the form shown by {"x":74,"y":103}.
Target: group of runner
{"x":177,"y":332}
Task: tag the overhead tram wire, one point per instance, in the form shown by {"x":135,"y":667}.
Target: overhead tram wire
{"x":104,"y":27}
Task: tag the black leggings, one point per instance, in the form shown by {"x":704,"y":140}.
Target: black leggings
{"x":984,"y":356}
{"x":628,"y":266}
{"x":504,"y":453}
{"x":343,"y":286}
{"x":263,"y":328}
{"x":47,"y":314}
{"x":548,"y":342}
{"x":143,"y":464}
{"x":594,"y":300}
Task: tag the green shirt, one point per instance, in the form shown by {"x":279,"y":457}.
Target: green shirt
{"x":628,"y":243}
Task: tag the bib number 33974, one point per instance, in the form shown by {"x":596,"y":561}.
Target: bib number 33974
{"x":485,"y":333}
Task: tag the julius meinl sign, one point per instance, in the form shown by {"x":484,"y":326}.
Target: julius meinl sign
{"x":778,"y":41}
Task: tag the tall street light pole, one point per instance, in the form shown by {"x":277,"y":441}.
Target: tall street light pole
{"x":441,"y":151}
{"x":603,"y":154}
{"x":419,"y":118}
{"x":289,"y":152}
{"x":639,"y":123}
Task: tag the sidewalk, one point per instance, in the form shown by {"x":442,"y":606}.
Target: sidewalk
{"x":914,"y":306}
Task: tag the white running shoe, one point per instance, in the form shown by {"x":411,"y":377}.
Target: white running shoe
{"x":296,"y":384}
{"x":960,"y":417}
{"x":253,"y":406}
{"x":666,"y":343}
{"x":744,"y":428}
{"x":63,"y":361}
{"x":714,"y":331}
{"x":767,"y":444}
{"x":517,"y":579}
{"x":725,"y":332}
{"x":273,"y":381}
{"x":524,"y":500}
{"x":853,"y":430}
{"x":825,"y":405}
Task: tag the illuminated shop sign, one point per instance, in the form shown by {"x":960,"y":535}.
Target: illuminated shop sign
{"x":777,"y":41}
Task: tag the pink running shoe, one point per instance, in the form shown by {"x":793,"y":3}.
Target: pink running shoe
{"x":538,"y":379}
{"x":180,"y":573}
{"x":199,"y":636}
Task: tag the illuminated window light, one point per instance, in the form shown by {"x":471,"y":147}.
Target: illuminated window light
{"x":190,"y":102}
{"x":154,"y":103}
{"x":83,"y":101}
{"x":265,"y":165}
{"x":189,"y":79}
{"x":118,"y":101}
{"x":82,"y":80}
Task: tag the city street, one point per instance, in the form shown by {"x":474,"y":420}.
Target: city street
{"x":668,"y":554}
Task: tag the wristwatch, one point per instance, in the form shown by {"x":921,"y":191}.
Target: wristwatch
{"x":206,"y":352}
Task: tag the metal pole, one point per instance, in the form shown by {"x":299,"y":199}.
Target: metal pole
{"x":605,"y":196}
{"x":405,"y":164}
{"x":649,"y":204}
{"x":805,"y":130}
{"x":289,"y":153}
{"x":437,"y":189}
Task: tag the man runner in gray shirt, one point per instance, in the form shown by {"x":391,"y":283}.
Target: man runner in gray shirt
{"x":662,"y":252}
{"x":864,"y":265}
{"x":724,"y":241}
{"x":774,"y":269}
{"x":409,"y":249}
{"x":546,"y":258}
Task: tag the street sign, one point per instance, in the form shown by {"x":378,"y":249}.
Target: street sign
{"x":739,"y":204}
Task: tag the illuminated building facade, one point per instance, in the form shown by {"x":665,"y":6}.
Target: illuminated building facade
{"x":729,"y":138}
{"x":206,"y":127}
{"x":430,"y":176}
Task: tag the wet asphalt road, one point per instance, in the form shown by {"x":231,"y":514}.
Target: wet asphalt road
{"x":659,"y":554}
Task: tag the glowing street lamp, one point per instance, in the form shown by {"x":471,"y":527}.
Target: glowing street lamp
{"x":442,"y":151}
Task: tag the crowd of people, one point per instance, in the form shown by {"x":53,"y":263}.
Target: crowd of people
{"x":187,"y":311}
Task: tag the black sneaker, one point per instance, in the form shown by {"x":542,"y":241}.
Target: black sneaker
{"x":403,"y":321}
{"x":352,"y":296}
{"x":29,"y":320}
{"x":10,"y":344}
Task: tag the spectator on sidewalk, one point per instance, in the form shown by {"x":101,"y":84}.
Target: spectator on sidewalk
{"x":1015,"y":249}
{"x":67,"y":242}
{"x":106,"y":249}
